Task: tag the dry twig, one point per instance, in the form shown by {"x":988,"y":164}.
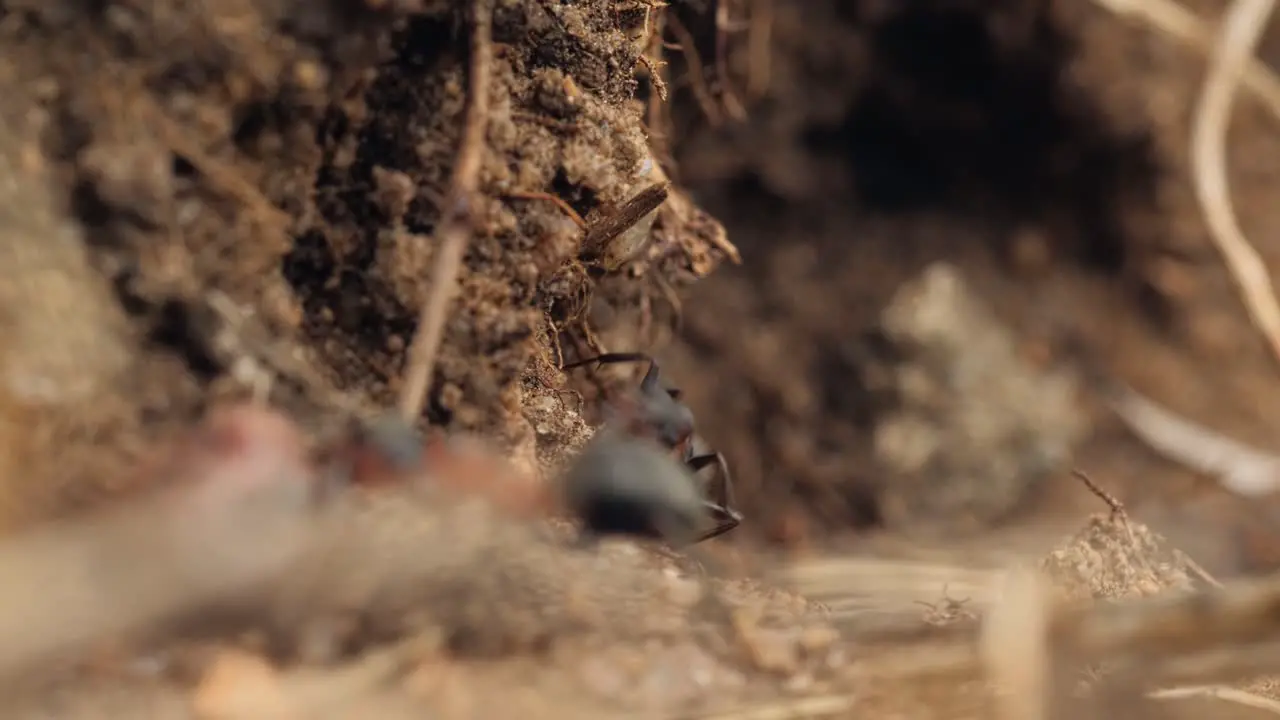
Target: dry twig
{"x":1241,"y":30}
{"x":651,"y":57}
{"x":603,"y":231}
{"x":220,"y":176}
{"x":1118,"y":514}
{"x":1117,"y":508}
{"x":1197,"y":570}
{"x":455,"y":225}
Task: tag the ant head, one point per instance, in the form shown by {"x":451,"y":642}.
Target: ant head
{"x":652,"y":411}
{"x":657,"y":416}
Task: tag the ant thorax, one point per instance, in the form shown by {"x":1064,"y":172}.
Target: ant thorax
{"x":671,"y":420}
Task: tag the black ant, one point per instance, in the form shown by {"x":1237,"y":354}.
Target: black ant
{"x":628,"y":501}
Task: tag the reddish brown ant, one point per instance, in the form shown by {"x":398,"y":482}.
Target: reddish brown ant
{"x":656,"y":414}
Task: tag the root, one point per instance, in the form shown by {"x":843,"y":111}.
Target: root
{"x":759,"y":42}
{"x":728,"y":98}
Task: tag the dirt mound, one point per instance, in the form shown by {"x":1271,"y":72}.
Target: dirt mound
{"x":258,"y":184}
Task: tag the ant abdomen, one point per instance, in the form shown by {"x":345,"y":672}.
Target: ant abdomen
{"x":621,"y":485}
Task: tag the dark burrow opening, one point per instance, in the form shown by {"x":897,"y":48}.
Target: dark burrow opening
{"x":949,"y":113}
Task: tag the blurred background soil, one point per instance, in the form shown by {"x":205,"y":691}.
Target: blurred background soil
{"x":237,"y":199}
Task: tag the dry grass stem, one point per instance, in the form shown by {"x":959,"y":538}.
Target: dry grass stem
{"x":271,"y":218}
{"x":893,"y":580}
{"x":1242,"y":27}
{"x":456,"y":223}
{"x":1170,"y":18}
{"x":817,"y":706}
{"x":1231,"y":64}
{"x":1218,"y":692}
{"x":1242,"y":469}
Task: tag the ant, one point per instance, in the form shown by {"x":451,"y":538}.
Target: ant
{"x":616,"y":504}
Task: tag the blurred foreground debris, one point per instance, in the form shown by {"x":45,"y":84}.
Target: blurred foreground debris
{"x":1121,"y":607}
{"x":234,"y":514}
{"x":288,"y":572}
{"x":378,"y":599}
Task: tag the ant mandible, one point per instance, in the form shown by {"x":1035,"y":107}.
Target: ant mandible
{"x":656,"y":413}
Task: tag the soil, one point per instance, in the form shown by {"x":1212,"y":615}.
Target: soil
{"x":237,"y":200}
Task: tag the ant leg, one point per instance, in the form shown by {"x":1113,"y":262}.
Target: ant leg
{"x":650,"y":381}
{"x":724,"y":486}
{"x":697,"y":462}
{"x":721,"y":507}
{"x":726,"y":519}
{"x":610,"y":358}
